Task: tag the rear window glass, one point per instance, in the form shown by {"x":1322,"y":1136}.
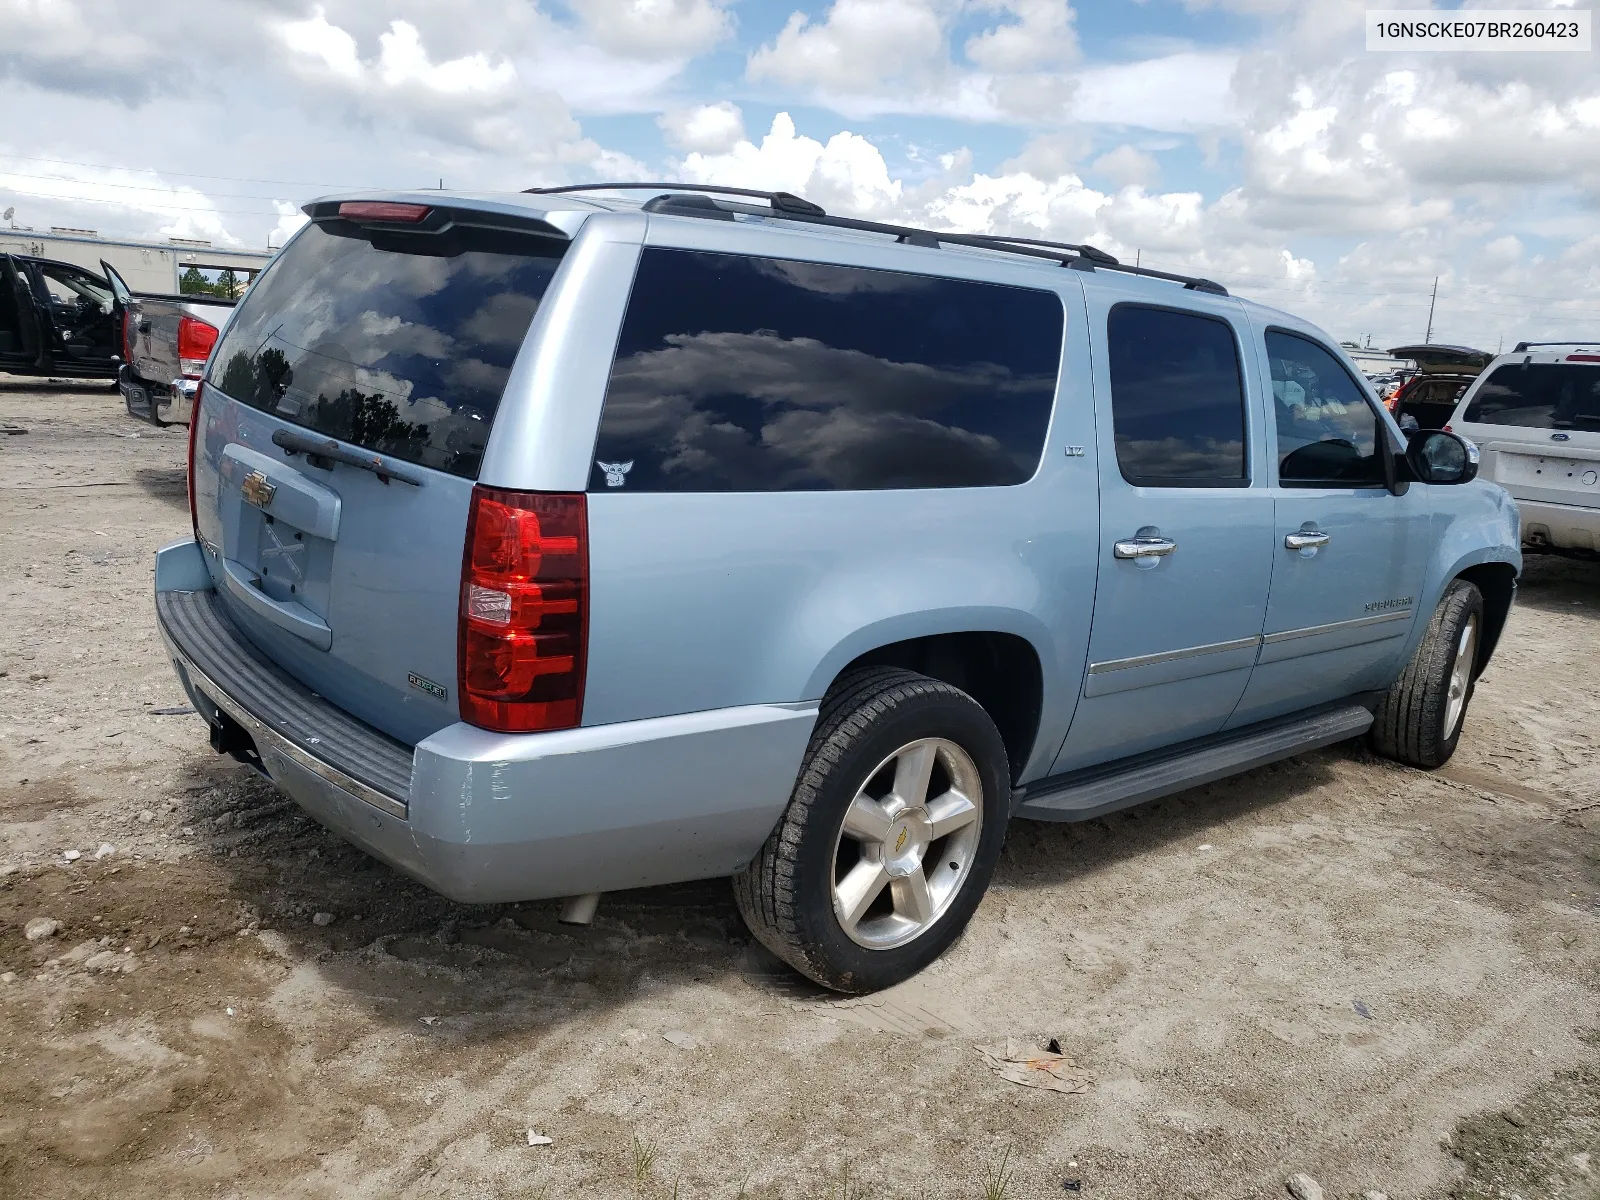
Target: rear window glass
{"x":400,"y":352}
{"x":1539,"y":396}
{"x":738,"y":374}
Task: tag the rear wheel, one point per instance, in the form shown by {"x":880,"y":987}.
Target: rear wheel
{"x":890,"y":837}
{"x":1419,"y":721}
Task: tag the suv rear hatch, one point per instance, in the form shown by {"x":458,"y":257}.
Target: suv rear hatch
{"x":1539,"y":423}
{"x":343,"y":421}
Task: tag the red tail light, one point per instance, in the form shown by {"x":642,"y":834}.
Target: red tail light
{"x":1447,"y":428}
{"x":524,"y":611}
{"x":195,"y":339}
{"x":127,"y":335}
{"x":194,"y":424}
{"x":1583,"y":358}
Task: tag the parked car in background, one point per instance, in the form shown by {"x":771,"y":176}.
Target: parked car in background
{"x":554,"y":544}
{"x":62,"y":320}
{"x":56,"y":319}
{"x":1426,"y":400}
{"x":1536,"y":414}
{"x":165,"y":341}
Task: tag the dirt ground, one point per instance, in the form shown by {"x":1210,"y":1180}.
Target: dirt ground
{"x":1381,"y":978}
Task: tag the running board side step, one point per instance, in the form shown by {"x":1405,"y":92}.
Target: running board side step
{"x":1084,"y":795}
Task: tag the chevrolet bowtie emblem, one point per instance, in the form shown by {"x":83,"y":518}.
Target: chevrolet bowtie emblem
{"x":256,"y":490}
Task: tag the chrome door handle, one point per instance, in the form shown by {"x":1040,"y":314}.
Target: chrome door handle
{"x":1145,"y":547}
{"x":1306,"y":539}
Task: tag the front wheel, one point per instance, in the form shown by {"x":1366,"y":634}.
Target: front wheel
{"x":1419,"y":720}
{"x":890,"y":837}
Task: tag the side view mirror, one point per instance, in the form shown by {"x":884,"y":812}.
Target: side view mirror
{"x":1435,"y":456}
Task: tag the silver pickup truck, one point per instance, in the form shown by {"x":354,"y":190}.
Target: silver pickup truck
{"x":164,"y":341}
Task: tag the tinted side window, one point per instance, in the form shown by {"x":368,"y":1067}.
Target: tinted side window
{"x":738,"y":374}
{"x":1539,"y":396}
{"x":1327,"y":431}
{"x":403,"y":353}
{"x":1177,"y":398}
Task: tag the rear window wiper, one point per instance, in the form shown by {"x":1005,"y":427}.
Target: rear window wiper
{"x":327,"y":449}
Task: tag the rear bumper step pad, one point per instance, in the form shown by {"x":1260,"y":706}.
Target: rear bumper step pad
{"x":217,"y":660}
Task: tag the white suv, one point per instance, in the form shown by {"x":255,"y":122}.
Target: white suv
{"x":1535,"y":413}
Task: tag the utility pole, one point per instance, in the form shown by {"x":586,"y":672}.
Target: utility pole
{"x":1138,"y":257}
{"x":1428,"y":337}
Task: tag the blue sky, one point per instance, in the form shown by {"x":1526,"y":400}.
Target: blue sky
{"x":1256,"y":141}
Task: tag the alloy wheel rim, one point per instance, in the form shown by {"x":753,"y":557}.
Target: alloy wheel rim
{"x":907,"y":843}
{"x":1461,"y":676}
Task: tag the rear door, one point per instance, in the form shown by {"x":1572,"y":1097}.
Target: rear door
{"x":1185,"y":526}
{"x":84,"y":313}
{"x":369,"y":345}
{"x":22,"y":342}
{"x":1349,"y":555}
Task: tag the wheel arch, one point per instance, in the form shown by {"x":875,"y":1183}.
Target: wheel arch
{"x":1001,"y":670}
{"x":1498,"y":583}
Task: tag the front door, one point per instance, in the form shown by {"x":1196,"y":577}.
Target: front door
{"x":22,"y":345}
{"x":82,"y":310}
{"x":121,"y":308}
{"x":1350,"y":554}
{"x":1185,"y":524}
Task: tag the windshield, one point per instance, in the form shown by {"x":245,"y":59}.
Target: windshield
{"x":68,"y":284}
{"x":1539,"y":396}
{"x":401,"y":351}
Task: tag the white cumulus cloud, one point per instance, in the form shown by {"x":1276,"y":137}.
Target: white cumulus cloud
{"x":1126,"y":166}
{"x":705,"y":128}
{"x":847,"y":172}
{"x":655,"y":29}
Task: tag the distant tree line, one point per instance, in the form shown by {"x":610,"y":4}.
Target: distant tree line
{"x":227,"y":287}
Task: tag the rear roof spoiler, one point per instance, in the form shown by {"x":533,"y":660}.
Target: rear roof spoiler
{"x":437,"y":219}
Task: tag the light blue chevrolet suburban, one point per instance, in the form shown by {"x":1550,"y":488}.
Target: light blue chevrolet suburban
{"x":610,"y":536}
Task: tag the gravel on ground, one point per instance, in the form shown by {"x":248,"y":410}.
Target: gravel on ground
{"x":1378,"y":978}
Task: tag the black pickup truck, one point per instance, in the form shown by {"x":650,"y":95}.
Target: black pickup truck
{"x":62,"y":320}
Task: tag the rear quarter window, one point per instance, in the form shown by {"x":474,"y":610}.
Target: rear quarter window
{"x":400,"y":350}
{"x":741,"y":374}
{"x":1538,"y":396}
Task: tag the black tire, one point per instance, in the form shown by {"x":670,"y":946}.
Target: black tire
{"x":786,"y":893}
{"x":1410,"y":724}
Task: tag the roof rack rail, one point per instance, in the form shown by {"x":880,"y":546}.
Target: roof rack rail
{"x":1521,"y":346}
{"x":691,"y":200}
{"x":1095,"y":255}
{"x":1101,"y":259}
{"x":784,"y":202}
